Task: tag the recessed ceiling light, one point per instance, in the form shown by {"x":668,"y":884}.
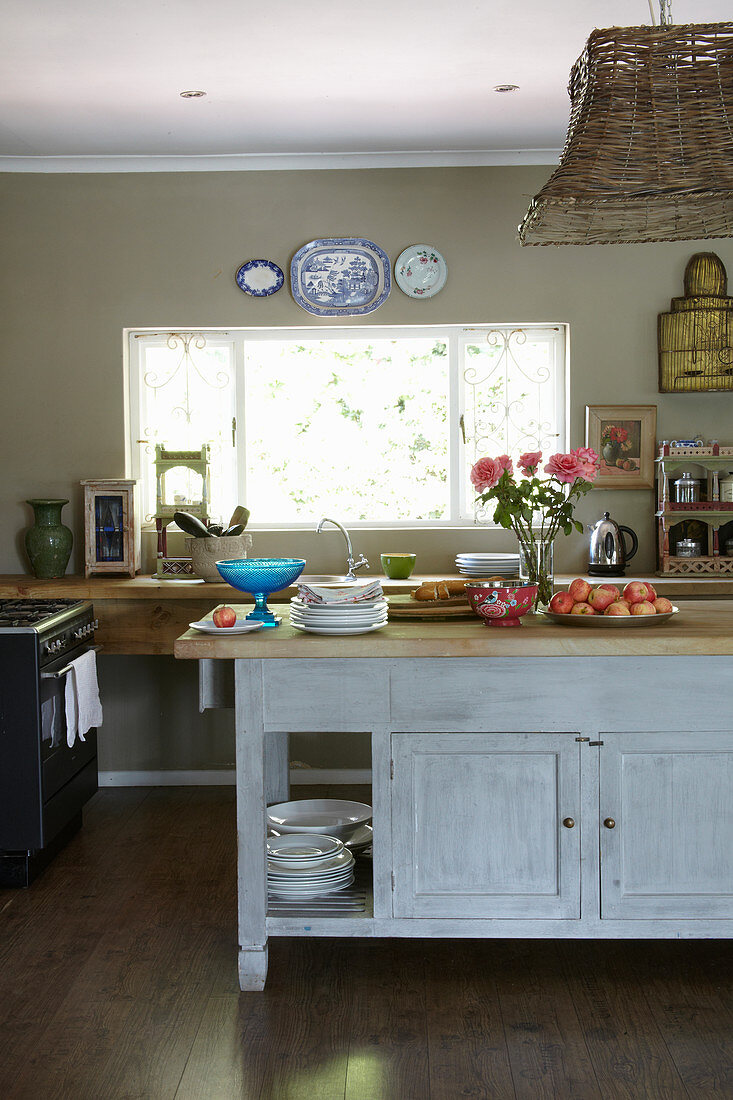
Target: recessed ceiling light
{"x":506,"y":88}
{"x":191,"y":95}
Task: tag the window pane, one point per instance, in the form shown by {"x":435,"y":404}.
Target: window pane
{"x":513,"y":397}
{"x":357,"y":427}
{"x":186,"y":389}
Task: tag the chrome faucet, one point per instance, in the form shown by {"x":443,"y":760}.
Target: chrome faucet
{"x":352,"y":565}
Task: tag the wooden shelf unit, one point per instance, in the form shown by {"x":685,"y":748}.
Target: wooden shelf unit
{"x":714,"y":514}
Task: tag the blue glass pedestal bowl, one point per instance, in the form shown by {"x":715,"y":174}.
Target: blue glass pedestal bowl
{"x":261,"y":577}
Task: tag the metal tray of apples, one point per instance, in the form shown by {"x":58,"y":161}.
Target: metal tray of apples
{"x":603,"y":607}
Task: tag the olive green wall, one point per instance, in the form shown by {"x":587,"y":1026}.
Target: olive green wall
{"x":85,"y":256}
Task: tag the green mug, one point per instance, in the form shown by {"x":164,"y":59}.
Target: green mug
{"x":398,"y":567}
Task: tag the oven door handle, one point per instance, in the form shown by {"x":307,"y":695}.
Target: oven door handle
{"x":67,"y":668}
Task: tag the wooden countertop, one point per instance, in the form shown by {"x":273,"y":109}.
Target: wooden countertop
{"x":145,"y":587}
{"x":700,"y":628}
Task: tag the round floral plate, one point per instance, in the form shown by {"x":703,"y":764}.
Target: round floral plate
{"x":259,"y":278}
{"x":420,"y":271}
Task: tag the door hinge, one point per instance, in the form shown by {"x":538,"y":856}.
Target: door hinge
{"x":392,"y":876}
{"x":234,"y":431}
{"x":582,"y":738}
{"x":391,"y":769}
{"x":595,"y":742}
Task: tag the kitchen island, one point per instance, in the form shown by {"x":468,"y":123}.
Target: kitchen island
{"x":540,"y":781}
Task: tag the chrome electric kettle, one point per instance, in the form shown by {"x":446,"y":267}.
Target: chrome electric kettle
{"x":608,"y":552}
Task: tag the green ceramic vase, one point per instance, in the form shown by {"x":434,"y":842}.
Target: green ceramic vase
{"x":48,"y":542}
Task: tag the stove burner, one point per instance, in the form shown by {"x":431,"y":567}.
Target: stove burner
{"x":31,"y":612}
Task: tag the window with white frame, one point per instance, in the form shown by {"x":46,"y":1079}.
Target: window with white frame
{"x":376,"y":426}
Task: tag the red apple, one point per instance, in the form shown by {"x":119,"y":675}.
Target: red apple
{"x":612,"y":589}
{"x":599,"y":598}
{"x":562,"y":603}
{"x":618,"y":607}
{"x":635,"y":591}
{"x":643,"y":607}
{"x":662,"y":605}
{"x":224,"y":616}
{"x":651,"y":594}
{"x":582,"y":609}
{"x":579,"y":590}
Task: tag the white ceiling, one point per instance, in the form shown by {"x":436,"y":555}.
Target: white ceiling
{"x":84,"y":82}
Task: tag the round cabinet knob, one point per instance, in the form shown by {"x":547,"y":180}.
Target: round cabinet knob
{"x":568,"y":822}
{"x":610,"y":823}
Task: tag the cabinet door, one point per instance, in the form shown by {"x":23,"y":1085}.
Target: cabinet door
{"x":670,"y":851}
{"x":477,"y":825}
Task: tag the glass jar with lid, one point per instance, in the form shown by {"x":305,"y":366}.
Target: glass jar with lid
{"x":725,"y":488}
{"x":686,"y":488}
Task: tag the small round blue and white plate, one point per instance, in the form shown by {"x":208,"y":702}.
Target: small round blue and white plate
{"x":260,"y":278}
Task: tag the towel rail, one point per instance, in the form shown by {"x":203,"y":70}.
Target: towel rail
{"x":67,"y":668}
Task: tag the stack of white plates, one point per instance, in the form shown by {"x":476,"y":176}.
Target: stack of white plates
{"x":338,"y":618}
{"x":487,"y":565}
{"x":306,"y":865}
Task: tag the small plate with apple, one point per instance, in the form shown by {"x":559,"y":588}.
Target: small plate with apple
{"x":224,"y":621}
{"x":606,"y":605}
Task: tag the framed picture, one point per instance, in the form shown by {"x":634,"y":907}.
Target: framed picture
{"x":624,"y":436}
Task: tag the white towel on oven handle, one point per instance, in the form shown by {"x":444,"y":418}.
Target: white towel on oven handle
{"x":83,"y":705}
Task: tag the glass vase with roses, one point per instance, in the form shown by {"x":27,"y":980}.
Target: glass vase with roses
{"x":537,"y":508}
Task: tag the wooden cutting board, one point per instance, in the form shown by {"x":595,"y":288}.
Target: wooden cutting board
{"x":404,"y":607}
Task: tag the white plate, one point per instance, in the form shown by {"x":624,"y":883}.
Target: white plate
{"x":336,"y":817}
{"x":362,"y":838}
{"x":303,"y":849}
{"x":420,"y":271}
{"x":329,"y":608}
{"x":206,"y":626}
{"x":351,"y":620}
{"x":339,"y":629}
{"x":310,"y":892}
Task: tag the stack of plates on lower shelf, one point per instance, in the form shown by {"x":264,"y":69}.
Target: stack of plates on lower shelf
{"x":338,"y":617}
{"x":487,"y":565}
{"x":307,"y":865}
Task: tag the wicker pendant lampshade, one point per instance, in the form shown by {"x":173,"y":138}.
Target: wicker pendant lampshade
{"x":649,"y":150}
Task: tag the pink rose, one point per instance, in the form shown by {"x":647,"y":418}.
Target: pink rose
{"x":529,"y":462}
{"x":565,"y":468}
{"x":506,"y":464}
{"x":589,"y":460}
{"x":485,"y":474}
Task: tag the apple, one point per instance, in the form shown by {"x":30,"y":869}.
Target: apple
{"x":643,"y":607}
{"x":562,"y":603}
{"x":651,"y":592}
{"x":224,"y":616}
{"x":662,"y":605}
{"x":582,"y":608}
{"x":599,"y":598}
{"x":612,"y":589}
{"x":635,"y":592}
{"x":618,"y":607}
{"x":579,"y":589}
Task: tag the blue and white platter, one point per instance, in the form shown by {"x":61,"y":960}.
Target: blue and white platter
{"x":260,"y":278}
{"x":340,"y":277}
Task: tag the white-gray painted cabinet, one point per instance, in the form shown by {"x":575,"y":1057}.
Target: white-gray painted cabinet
{"x":514,"y":796}
{"x":667,"y":825}
{"x":506,"y":843}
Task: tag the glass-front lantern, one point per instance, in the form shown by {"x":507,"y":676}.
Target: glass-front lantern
{"x":111,"y":530}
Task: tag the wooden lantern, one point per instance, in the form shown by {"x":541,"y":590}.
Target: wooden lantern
{"x":111,"y":530}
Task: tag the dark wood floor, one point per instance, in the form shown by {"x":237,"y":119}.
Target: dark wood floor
{"x":118,"y":979}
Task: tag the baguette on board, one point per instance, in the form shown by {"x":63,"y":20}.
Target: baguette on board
{"x":444,"y":590}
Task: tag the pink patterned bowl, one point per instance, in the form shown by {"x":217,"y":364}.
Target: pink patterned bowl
{"x":501,"y":604}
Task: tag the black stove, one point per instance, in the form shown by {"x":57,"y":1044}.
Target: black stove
{"x":44,"y":781}
{"x":33,"y":613}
